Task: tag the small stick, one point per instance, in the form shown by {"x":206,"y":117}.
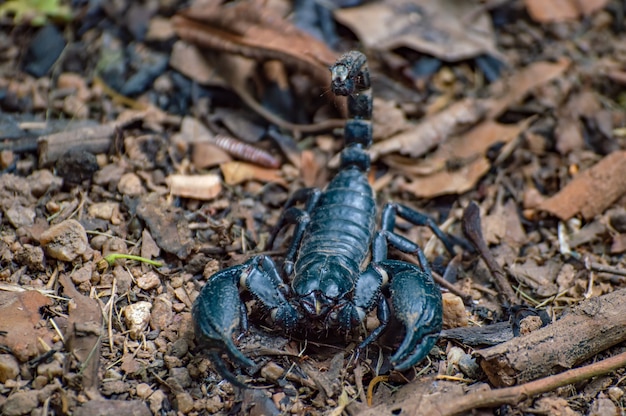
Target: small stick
{"x":513,"y":395}
{"x":473,"y":231}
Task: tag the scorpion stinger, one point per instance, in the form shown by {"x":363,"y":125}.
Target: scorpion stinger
{"x":326,"y":282}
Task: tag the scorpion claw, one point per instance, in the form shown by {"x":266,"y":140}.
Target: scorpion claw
{"x":417,"y":304}
{"x":217,"y":315}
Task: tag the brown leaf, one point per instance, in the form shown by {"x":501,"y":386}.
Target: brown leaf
{"x":252,"y":29}
{"x":438,"y":28}
{"x":431,"y":131}
{"x":84,"y":333}
{"x":20,"y":319}
{"x":592,"y":191}
{"x":238,"y":172}
{"x":448,"y":182}
{"x":560,"y":10}
{"x":514,"y":88}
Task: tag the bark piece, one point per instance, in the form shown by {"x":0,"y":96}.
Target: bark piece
{"x":592,"y":191}
{"x":93,"y":139}
{"x":593,"y":326}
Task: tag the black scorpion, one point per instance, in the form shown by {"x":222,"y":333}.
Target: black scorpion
{"x":325,"y":282}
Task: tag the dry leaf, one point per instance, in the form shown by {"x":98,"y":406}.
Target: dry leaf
{"x":448,"y":182}
{"x":238,"y":172}
{"x":592,"y":191}
{"x":20,"y":319}
{"x":189,"y":61}
{"x":451,"y":30}
{"x":432,"y":131}
{"x":252,"y":29}
{"x":514,"y":88}
{"x":201,"y":187}
{"x":559,"y":10}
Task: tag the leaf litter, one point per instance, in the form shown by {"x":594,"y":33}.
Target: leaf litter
{"x":524,"y":118}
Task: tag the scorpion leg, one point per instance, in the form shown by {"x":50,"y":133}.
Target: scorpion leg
{"x":300,"y":217}
{"x":219,"y":311}
{"x":415,"y":297}
{"x":391,"y":210}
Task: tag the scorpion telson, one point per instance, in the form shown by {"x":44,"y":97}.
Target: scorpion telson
{"x":325,"y":281}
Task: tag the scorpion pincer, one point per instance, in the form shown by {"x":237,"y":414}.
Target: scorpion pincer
{"x":325,"y":281}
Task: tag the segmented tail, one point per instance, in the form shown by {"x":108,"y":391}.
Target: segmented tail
{"x":350,"y":77}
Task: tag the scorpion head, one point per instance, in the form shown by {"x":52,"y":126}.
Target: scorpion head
{"x":322,"y":289}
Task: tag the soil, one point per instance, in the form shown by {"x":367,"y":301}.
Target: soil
{"x":145,"y":147}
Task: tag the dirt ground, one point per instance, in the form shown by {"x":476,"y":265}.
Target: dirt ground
{"x":145,"y":146}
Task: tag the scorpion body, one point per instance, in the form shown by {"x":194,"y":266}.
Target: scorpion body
{"x":325,"y":281}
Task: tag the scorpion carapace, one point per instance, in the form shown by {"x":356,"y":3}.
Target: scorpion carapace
{"x":325,"y":282}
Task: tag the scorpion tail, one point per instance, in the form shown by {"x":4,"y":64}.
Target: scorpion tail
{"x":417,"y":304}
{"x":222,"y":368}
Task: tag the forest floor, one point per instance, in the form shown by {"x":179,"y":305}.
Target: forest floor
{"x":176,"y":135}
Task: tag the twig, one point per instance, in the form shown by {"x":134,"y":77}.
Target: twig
{"x":516,"y":394}
{"x":472,"y":230}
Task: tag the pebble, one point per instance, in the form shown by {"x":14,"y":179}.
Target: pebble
{"x":603,"y":406}
{"x":32,"y":256}
{"x":181,"y":375}
{"x":615,"y":393}
{"x":20,"y":403}
{"x":130,"y":185}
{"x":143,"y":390}
{"x":112,"y":408}
{"x":83,"y":274}
{"x":454,"y":314}
{"x":156,"y":401}
{"x":42,"y":181}
{"x":51,"y":370}
{"x":110,"y":387}
{"x":9,"y":367}
{"x":184,"y":402}
{"x":137,"y":316}
{"x":65,"y":241}
{"x":162,"y":315}
{"x":469,"y":367}
{"x":20,"y":216}
{"x":148,"y":281}
{"x":104,"y":210}
{"x":179,"y":348}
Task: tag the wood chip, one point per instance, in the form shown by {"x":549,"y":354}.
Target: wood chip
{"x":201,"y":187}
{"x":592,"y":191}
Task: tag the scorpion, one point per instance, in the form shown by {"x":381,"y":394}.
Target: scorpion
{"x":325,"y":281}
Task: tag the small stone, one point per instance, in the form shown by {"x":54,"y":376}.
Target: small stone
{"x":39,"y":382}
{"x":214,"y":404}
{"x":156,"y":401}
{"x":615,"y":393}
{"x":20,"y":216}
{"x":43,"y":181}
{"x":272,"y":371}
{"x":148,"y":281}
{"x":104,"y":210}
{"x":51,"y":370}
{"x":181,"y":375}
{"x":112,"y":408}
{"x":137,"y":316}
{"x":179,"y":348}
{"x":9,"y":367}
{"x":454,"y":314}
{"x":20,"y":403}
{"x":184,"y":402}
{"x":32,"y":256}
{"x":7,"y":158}
{"x":143,"y":390}
{"x":130,"y":185}
{"x":83,"y":274}
{"x":603,"y":406}
{"x":469,"y":367}
{"x":110,"y":387}
{"x":65,"y":241}
{"x":162,"y":314}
